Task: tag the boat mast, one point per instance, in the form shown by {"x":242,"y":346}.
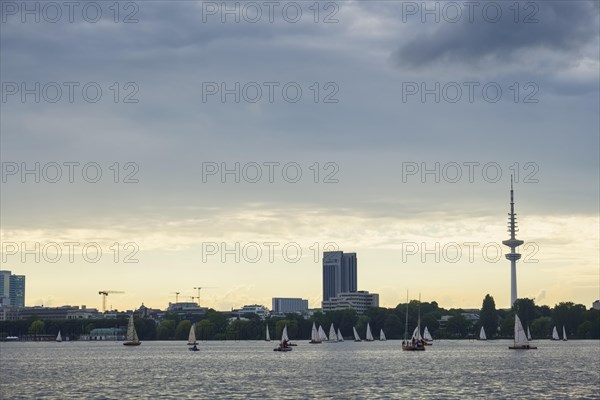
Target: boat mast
{"x":419,"y":315}
{"x":406,"y":323}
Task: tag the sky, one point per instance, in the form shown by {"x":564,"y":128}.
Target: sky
{"x":158,"y":146}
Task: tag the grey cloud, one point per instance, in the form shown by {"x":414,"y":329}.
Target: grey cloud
{"x":563,"y":27}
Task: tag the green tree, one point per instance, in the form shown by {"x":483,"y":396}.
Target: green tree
{"x":526,"y":310}
{"x":183,"y":329}
{"x":569,"y":315}
{"x":488,"y":316}
{"x":37,"y":327}
{"x":393,"y":327}
{"x":166,"y":330}
{"x":507,"y":325}
{"x":541,"y":327}
{"x":457,"y":326}
{"x":205,"y":329}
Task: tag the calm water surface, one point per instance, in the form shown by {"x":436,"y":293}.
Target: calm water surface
{"x":236,"y":370}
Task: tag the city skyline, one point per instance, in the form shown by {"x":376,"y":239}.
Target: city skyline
{"x":177,"y":164}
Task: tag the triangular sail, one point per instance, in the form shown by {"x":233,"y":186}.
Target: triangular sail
{"x":332,"y":334}
{"x":520,"y":335}
{"x":284,"y":335}
{"x":58,"y":337}
{"x":482,"y":334}
{"x":267,"y":335}
{"x":426,"y":334}
{"x":131,"y":333}
{"x":369,"y":334}
{"x":555,"y":334}
{"x":322,"y":334}
{"x":356,"y":337}
{"x":564,"y":333}
{"x":382,"y":335}
{"x":192,"y":336}
{"x":339,"y":336}
{"x":416,"y":334}
{"x":528,"y":333}
{"x":314,"y":334}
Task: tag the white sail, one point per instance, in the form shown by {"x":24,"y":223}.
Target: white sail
{"x":332,"y":334}
{"x":322,"y":334}
{"x":131,"y":333}
{"x":482,"y":334}
{"x":268,"y":336}
{"x":314,"y":335}
{"x":520,"y":335}
{"x":382,"y":335}
{"x":284,"y":334}
{"x":340,"y":338}
{"x":58,"y":337}
{"x":427,"y":335}
{"x":528,"y":334}
{"x":564,"y":334}
{"x":192,"y":335}
{"x":416,"y":334}
{"x":555,"y":334}
{"x":369,"y":334}
{"x":356,"y":337}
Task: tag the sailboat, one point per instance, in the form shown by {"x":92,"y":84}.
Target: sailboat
{"x":564,"y":334}
{"x":482,"y":334}
{"x":427,"y":339}
{"x":332,"y":335}
{"x":382,"y":336}
{"x":192,"y":338}
{"x":284,"y":344}
{"x":132,"y":337}
{"x":416,"y":342}
{"x":340,"y":338}
{"x":58,"y":337}
{"x":314,"y":335}
{"x":528,"y":333}
{"x":555,"y":334}
{"x":267,"y":335}
{"x":356,"y":337}
{"x":520,"y":342}
{"x":369,"y":337}
{"x":322,"y":334}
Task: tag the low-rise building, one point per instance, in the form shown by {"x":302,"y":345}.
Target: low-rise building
{"x":286,"y":305}
{"x":116,"y":334}
{"x":257,"y":309}
{"x":360,"y":301}
{"x":9,"y":313}
{"x":63,"y":312}
{"x":187,"y":310}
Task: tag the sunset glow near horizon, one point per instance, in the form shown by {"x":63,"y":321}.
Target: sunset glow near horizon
{"x":200,"y":182}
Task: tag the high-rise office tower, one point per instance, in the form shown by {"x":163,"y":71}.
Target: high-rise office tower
{"x":339,"y":273}
{"x":12,"y":289}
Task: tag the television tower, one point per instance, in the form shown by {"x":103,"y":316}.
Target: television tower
{"x":513,"y":243}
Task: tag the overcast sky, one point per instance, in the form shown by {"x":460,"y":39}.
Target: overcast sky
{"x":369,"y":134}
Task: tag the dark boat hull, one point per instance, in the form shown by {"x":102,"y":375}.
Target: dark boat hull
{"x":132,"y":343}
{"x":522,"y":348}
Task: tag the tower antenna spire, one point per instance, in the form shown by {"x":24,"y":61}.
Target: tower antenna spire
{"x":513,"y":243}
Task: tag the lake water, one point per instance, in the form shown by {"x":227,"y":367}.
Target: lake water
{"x":239,"y":370}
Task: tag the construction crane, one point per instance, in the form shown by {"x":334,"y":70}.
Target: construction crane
{"x":104,"y":294}
{"x":198,"y":288}
{"x":176,"y":296}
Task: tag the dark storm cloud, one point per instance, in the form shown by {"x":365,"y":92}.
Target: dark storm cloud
{"x":564,"y":27}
